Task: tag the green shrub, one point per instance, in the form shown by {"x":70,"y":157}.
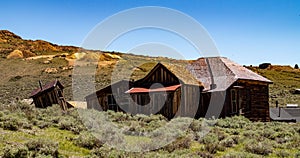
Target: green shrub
{"x":212,"y":143}
{"x":267,"y":133}
{"x":261,"y":148}
{"x":282,"y":153}
{"x":203,"y":154}
{"x":70,"y":124}
{"x":196,"y":125}
{"x":230,"y":141}
{"x":297,"y":155}
{"x":27,"y":125}
{"x":87,"y":140}
{"x":15,"y":151}
{"x":233,"y":122}
{"x":179,"y":143}
{"x":237,"y":154}
{"x":294,"y":142}
{"x":13,"y":123}
{"x":118,"y":116}
{"x":110,"y":152}
{"x":251,"y":134}
{"x":43,"y":124}
{"x":281,"y":135}
{"x":42,"y":147}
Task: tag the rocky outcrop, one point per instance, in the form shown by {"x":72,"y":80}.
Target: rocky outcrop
{"x":16,"y":54}
{"x":51,"y":70}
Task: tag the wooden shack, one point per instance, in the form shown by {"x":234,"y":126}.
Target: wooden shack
{"x":231,"y":88}
{"x":168,"y":89}
{"x":105,"y":99}
{"x":51,"y":93}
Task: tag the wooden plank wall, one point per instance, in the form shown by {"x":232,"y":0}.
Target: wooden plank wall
{"x":46,"y":99}
{"x":253,"y":98}
{"x":190,"y":101}
{"x":159,"y":75}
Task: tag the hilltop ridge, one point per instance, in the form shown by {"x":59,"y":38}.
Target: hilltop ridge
{"x":10,"y":42}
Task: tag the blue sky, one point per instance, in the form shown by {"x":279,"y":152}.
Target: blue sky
{"x":247,"y":31}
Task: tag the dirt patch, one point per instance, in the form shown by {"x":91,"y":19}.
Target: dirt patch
{"x":40,"y":57}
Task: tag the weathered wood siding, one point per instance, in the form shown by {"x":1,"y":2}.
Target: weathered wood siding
{"x":190,"y":101}
{"x":255,"y":96}
{"x":153,"y":103}
{"x":99,"y":100}
{"x":252,"y":101}
{"x":158,"y":75}
{"x":48,"y":98}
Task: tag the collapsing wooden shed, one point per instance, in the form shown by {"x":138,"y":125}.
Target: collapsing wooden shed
{"x":51,"y":93}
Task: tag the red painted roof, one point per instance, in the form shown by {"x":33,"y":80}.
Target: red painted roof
{"x":146,"y":90}
{"x":46,"y":87}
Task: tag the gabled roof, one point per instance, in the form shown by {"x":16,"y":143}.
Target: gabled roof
{"x":179,"y":70}
{"x":224,"y":71}
{"x":46,"y":87}
{"x":149,"y":90}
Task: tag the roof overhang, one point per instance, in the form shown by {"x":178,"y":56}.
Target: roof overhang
{"x":152,"y":90}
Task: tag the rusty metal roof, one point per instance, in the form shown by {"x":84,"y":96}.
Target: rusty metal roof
{"x":224,"y":71}
{"x":46,"y":87}
{"x":149,"y":90}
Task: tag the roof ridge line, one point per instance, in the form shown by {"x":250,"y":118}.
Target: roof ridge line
{"x":221,"y":58}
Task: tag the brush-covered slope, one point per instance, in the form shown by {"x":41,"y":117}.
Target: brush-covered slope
{"x":10,"y":42}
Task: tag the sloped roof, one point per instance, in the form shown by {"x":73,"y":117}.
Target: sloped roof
{"x":148,"y":90}
{"x":224,"y":71}
{"x":182,"y":73}
{"x":108,"y":86}
{"x":46,"y":87}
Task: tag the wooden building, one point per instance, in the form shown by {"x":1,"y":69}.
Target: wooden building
{"x":105,"y":99}
{"x":231,"y":89}
{"x":51,"y":93}
{"x":167,"y":89}
{"x":207,"y":87}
